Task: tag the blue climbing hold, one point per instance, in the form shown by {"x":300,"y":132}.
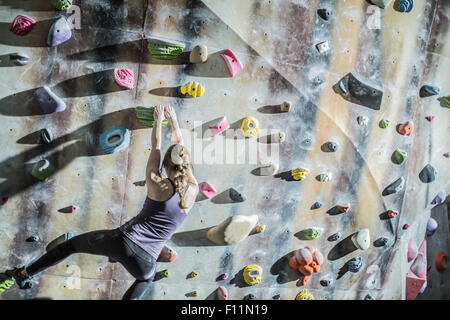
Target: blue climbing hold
{"x":316,"y":205}
{"x":115,"y":140}
{"x":405,"y":5}
{"x":355,"y":264}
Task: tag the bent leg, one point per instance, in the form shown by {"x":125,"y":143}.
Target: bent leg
{"x":140,"y":290}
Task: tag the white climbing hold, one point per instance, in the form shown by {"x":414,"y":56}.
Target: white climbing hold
{"x":323,"y":47}
{"x":269,"y":169}
{"x":362,"y":120}
{"x":232,"y":230}
{"x":362,"y":239}
{"x":279,"y":137}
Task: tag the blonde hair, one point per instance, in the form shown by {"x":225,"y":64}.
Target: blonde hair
{"x":177,"y":159}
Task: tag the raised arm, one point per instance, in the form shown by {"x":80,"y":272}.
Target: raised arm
{"x":171,"y":116}
{"x":153,"y":164}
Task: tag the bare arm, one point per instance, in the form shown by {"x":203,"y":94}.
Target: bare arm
{"x":171,"y":116}
{"x":153,"y":163}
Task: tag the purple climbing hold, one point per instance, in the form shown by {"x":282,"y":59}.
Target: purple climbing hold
{"x":49,"y":101}
{"x":431,"y":226}
{"x":59,"y":32}
{"x":439,"y":198}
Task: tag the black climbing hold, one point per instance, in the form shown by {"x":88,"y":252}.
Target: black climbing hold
{"x":360,"y":93}
{"x":428,"y":174}
{"x":277,"y":297}
{"x":334,"y":237}
{"x":325,"y":14}
{"x":316,"y":205}
{"x":46,"y":135}
{"x":19,"y":59}
{"x":381,"y":242}
{"x":236,"y":196}
{"x":332,"y":146}
{"x":428,"y":91}
{"x":394,"y":187}
{"x":325,"y":283}
{"x":250,"y":297}
{"x":368,"y":297}
{"x":33,"y":239}
{"x":355,"y":264}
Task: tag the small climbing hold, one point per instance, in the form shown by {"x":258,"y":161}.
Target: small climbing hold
{"x":32,"y":239}
{"x":236,"y":196}
{"x":343,"y":85}
{"x":192,"y":275}
{"x":250,"y":297}
{"x":441,"y":261}
{"x":42,"y":170}
{"x":405,"y":226}
{"x":428,"y":174}
{"x":334,"y":237}
{"x":278,"y":137}
{"x":260,"y":228}
{"x":324,"y":177}
{"x":325,"y":14}
{"x":207,"y":190}
{"x":46,"y":135}
{"x":432,"y":225}
{"x":220,"y":127}
{"x":115,"y":140}
{"x":252,"y":274}
{"x":428,"y":91}
{"x":192,"y":293}
{"x":447,"y":101}
{"x":381,"y":3}
{"x":199,"y":54}
{"x":145,"y":116}
{"x":164,"y":273}
{"x":323,"y":46}
{"x":405,"y":5}
{"x":62,"y":4}
{"x":304,"y":295}
{"x":399,"y":156}
{"x":312,"y":233}
{"x":277,"y":296}
{"x":124,"y":78}
{"x":361,"y":239}
{"x":168,"y":254}
{"x":406,"y":128}
{"x":165,"y":50}
{"x":4,"y":200}
{"x":62,"y":238}
{"x":269,"y":169}
{"x":299,"y":174}
{"x":392,"y":213}
{"x":381,"y":242}
{"x":368,"y":297}
{"x":224,"y":276}
{"x":316,"y":205}
{"x":22,"y":25}
{"x":193,"y":89}
{"x":222,"y":293}
{"x":59,"y":32}
{"x":325,"y":282}
{"x":48,"y":101}
{"x":233,"y":63}
{"x":439,"y":198}
{"x":286,"y":106}
{"x":332,"y":146}
{"x":19,"y":59}
{"x":362,"y":120}
{"x":447,"y":154}
{"x":384,"y":123}
{"x":74,"y":208}
{"x":343,"y":207}
{"x":430,"y":118}
{"x":233,"y":230}
{"x":249,"y":127}
{"x":355,"y":264}
{"x":395,"y":186}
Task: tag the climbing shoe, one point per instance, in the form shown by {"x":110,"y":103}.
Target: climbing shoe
{"x":24,"y":281}
{"x":5,"y":282}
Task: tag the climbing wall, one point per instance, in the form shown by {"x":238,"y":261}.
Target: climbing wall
{"x":275,"y":41}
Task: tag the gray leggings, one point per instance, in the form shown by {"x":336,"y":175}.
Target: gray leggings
{"x":110,"y":243}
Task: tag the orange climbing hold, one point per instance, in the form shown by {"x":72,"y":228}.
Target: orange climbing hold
{"x":307,"y":261}
{"x":392,"y":213}
{"x":406,"y":128}
{"x":441,"y":261}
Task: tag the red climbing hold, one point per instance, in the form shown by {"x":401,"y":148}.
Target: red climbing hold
{"x":168,"y":254}
{"x":22,"y":25}
{"x":124,"y":78}
{"x":343,"y":208}
{"x":392,"y":214}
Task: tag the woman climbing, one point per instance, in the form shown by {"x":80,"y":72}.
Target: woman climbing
{"x":136,"y":244}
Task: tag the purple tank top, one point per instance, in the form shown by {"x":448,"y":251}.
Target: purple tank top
{"x":155,"y":224}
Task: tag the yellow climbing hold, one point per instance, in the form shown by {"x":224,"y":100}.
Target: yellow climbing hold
{"x":304,"y":295}
{"x":249,"y":127}
{"x":193,"y":88}
{"x":252,"y":274}
{"x":299,"y":174}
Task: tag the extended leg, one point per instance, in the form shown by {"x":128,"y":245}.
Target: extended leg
{"x":140,"y":290}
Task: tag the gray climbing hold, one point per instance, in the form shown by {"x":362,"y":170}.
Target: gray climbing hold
{"x":325,"y":282}
{"x":19,"y":59}
{"x":59,"y":32}
{"x":316,"y":205}
{"x":343,"y":85}
{"x":115,"y":140}
{"x":394,"y":187}
{"x":368,"y":297}
{"x":381,"y":3}
{"x":360,"y":93}
{"x":362,"y":120}
{"x":236,"y":195}
{"x":332,"y":146}
{"x":439,"y":198}
{"x":381,"y":242}
{"x":325,"y":14}
{"x":334,"y":237}
{"x":49,"y":101}
{"x":250,"y":297}
{"x":355,"y":264}
{"x":428,"y":91}
{"x":46,"y":135}
{"x":428,"y":174}
{"x":432,"y":225}
{"x":33,"y":239}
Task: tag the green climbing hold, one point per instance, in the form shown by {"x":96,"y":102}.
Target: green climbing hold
{"x":193,"y":274}
{"x":61,"y":4}
{"x":399,"y":156}
{"x":447,"y":101}
{"x":165,"y":273}
{"x":42,"y":170}
{"x":312,"y":233}
{"x":165,"y":50}
{"x":145,"y":116}
{"x":5,"y":282}
{"x":384,"y":123}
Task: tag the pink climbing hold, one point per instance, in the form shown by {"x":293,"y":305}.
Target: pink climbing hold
{"x":207,"y":190}
{"x":343,"y":208}
{"x":74,"y":209}
{"x":124,"y":78}
{"x":224,"y":276}
{"x":447,"y":154}
{"x":430,"y":118}
{"x":405,"y":226}
{"x":232,"y":62}
{"x":22,"y":25}
{"x":5,"y":200}
{"x":412,"y":250}
{"x":417,"y":274}
{"x":220,"y":127}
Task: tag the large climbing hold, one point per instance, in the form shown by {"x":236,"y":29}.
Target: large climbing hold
{"x":115,"y":140}
{"x":381,"y":3}
{"x":307,"y":261}
{"x":168,"y":254}
{"x":19,"y":59}
{"x":432,"y":225}
{"x":219,"y":127}
{"x":428,"y":174}
{"x":361,"y":239}
{"x":406,"y":128}
{"x":395,"y":186}
{"x":233,"y":63}
{"x":304,"y":295}
{"x":59,"y":32}
{"x":360,"y":93}
{"x":416,"y":276}
{"x":399,"y":156}
{"x":199,"y":54}
{"x":22,"y":25}
{"x":428,"y":91}
{"x":48,"y":101}
{"x":145,"y":116}
{"x":236,"y":196}
{"x":42,"y":170}
{"x":222,"y":293}
{"x":207,"y":190}
{"x":252,"y":274}
{"x":405,"y":5}
{"x":233,"y":230}
{"x":192,"y":88}
{"x":312,"y":233}
{"x":249,"y":127}
{"x":165,"y":50}
{"x":124,"y":78}
{"x":62,"y":4}
{"x":299,"y":174}
{"x":355,"y":264}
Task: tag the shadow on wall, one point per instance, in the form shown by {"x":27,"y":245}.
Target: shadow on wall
{"x":16,"y":170}
{"x":36,"y":38}
{"x":342,"y":249}
{"x":282,"y":269}
{"x":194,"y":238}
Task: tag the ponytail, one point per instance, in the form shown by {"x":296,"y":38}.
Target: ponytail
{"x":179,"y":181}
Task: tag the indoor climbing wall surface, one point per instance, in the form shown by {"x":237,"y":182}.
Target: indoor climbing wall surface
{"x":275,"y":41}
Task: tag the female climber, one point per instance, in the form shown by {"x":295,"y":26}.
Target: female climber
{"x":136,"y":244}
